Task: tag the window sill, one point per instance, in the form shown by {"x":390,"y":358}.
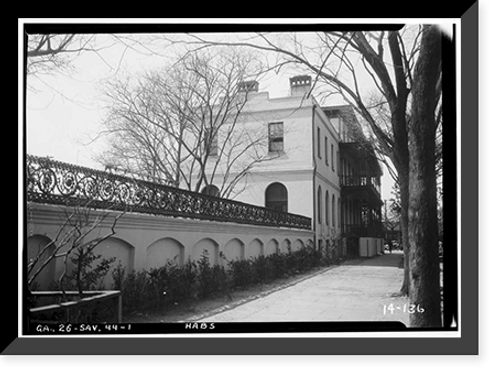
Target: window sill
{"x":277,"y":154}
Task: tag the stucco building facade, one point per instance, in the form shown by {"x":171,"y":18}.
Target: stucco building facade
{"x":319,"y":165}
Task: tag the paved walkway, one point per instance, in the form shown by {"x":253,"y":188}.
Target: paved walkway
{"x":355,"y":291}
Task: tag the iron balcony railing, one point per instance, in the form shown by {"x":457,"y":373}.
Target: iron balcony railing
{"x":360,"y":181}
{"x":54,"y":182}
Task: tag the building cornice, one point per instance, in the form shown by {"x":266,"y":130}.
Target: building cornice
{"x":325,"y":179}
{"x":271,"y":105}
{"x":271,"y":171}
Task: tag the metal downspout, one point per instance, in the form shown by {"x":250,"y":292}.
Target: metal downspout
{"x":314,"y":175}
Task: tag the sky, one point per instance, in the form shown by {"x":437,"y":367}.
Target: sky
{"x":65,"y":110}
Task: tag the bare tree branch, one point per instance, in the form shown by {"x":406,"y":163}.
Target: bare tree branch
{"x":166,"y":122}
{"x":71,"y":236}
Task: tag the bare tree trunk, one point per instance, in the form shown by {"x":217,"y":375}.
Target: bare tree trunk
{"x":422,"y":211}
{"x":404,"y":192}
{"x":79,"y":273}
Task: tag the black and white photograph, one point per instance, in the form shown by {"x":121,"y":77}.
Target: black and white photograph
{"x":237,"y":179}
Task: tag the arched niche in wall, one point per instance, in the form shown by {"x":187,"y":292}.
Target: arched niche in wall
{"x":39,"y":244}
{"x":298,"y":245}
{"x":114,"y":247}
{"x":207,"y":246}
{"x":162,"y":250}
{"x":272,"y":246}
{"x":255,"y":248}
{"x":234,"y":249}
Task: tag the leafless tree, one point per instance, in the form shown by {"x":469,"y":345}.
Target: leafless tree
{"x":74,"y":237}
{"x":184,"y":124}
{"x":49,"y":53}
{"x":57,"y":54}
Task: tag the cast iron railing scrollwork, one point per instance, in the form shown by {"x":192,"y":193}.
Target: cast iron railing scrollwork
{"x":54,"y":182}
{"x":360,"y":181}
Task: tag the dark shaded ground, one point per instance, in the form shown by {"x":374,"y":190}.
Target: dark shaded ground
{"x":394,"y":259}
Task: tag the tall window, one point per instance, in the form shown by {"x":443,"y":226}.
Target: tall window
{"x":319,"y":142}
{"x":333,"y":210}
{"x":320,"y":206}
{"x":211,"y":144}
{"x":332,"y":155}
{"x":339,"y":212}
{"x":326,"y":150}
{"x":277,"y":197}
{"x":327,"y":207}
{"x":276,"y":137}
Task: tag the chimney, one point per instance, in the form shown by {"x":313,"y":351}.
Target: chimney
{"x":300,"y":85}
{"x":248,"y":86}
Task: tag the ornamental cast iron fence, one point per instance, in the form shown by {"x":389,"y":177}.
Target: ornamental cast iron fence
{"x":54,"y":182}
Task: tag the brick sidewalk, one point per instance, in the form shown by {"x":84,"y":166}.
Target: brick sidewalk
{"x":355,"y":291}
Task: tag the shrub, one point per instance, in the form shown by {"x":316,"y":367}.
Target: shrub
{"x":315,"y":257}
{"x":170,"y":284}
{"x":87,"y":273}
{"x":262,"y":268}
{"x":242,"y":273}
{"x":160,"y":284}
{"x":173,"y":284}
{"x":298,"y":261}
{"x":134,"y":288}
{"x":278,"y":265}
{"x":119,"y":274}
{"x":211,"y":280}
{"x":186,"y":289}
{"x":220,"y":278}
{"x":205,"y":277}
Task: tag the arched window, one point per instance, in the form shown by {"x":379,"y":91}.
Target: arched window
{"x":211,"y":190}
{"x":327,"y":207}
{"x":277,"y":197}
{"x":320,"y":204}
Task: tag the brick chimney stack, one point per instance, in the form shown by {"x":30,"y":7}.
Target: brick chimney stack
{"x":300,"y":85}
{"x":248,"y":86}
